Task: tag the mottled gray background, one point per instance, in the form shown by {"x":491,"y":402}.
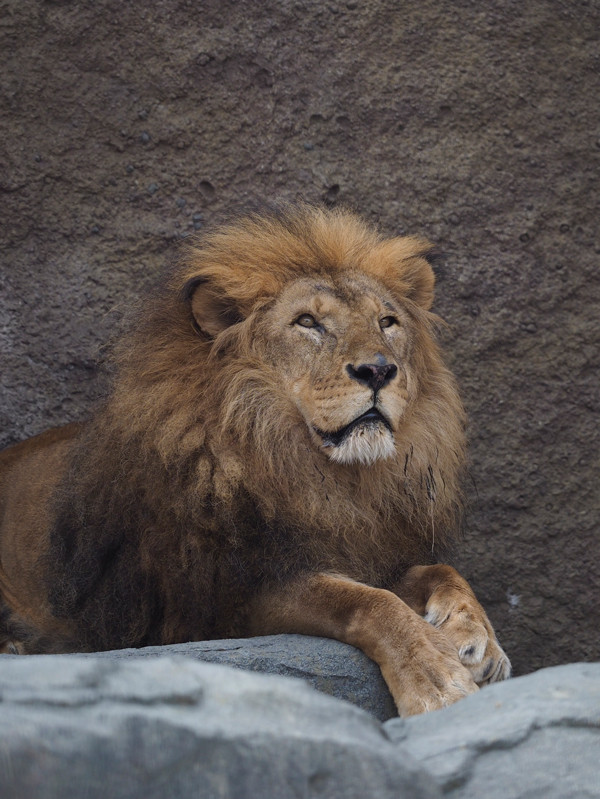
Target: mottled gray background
{"x":126,"y":126}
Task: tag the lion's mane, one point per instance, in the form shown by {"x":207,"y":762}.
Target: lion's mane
{"x":195,"y":483}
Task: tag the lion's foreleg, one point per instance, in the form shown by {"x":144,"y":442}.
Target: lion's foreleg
{"x":418,"y":663}
{"x":446,"y":600}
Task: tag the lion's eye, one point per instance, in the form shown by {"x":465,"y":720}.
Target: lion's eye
{"x":306,"y":320}
{"x":387,"y":321}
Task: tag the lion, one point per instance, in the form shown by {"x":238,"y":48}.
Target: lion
{"x":281,"y":451}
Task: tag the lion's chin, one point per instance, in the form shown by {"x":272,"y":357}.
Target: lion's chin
{"x":367,"y":439}
{"x":363,"y":445}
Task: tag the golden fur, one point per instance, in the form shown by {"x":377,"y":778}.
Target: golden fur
{"x":281,"y":410}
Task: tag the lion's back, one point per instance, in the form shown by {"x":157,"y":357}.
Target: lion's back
{"x":29,"y":474}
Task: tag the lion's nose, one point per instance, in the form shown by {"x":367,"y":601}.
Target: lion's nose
{"x":372,"y":374}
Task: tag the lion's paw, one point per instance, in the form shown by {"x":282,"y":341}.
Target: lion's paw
{"x":467,"y":626}
{"x":430,"y":675}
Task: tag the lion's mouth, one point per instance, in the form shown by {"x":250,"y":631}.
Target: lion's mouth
{"x":370,"y":418}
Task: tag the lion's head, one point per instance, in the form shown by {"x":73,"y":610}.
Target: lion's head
{"x":335,"y":312}
{"x":293,"y":357}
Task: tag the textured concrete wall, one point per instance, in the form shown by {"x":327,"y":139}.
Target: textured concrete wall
{"x":128,"y":125}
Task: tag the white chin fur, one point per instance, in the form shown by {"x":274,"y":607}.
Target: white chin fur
{"x":364,"y":445}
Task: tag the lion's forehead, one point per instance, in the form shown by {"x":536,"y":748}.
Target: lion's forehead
{"x":350,"y":293}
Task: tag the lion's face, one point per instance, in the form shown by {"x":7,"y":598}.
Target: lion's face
{"x":342,"y":347}
{"x":338,"y":317}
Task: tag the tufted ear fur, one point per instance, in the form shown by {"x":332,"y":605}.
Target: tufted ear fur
{"x":211,"y":311}
{"x":401,"y":264}
{"x":419,"y":276}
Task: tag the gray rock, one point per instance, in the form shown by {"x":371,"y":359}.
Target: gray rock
{"x":534,"y":736}
{"x":103,"y":727}
{"x":329,"y":666}
{"x":155,"y":722}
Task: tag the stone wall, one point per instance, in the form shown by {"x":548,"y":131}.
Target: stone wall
{"x":127,"y":126}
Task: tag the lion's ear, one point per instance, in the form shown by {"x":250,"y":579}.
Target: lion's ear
{"x":418,"y":274}
{"x":403,"y":266}
{"x":212,"y":312}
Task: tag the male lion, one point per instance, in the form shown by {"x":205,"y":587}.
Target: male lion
{"x":280,"y":453}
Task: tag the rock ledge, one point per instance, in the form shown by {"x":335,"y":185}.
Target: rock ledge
{"x":156,"y":722}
